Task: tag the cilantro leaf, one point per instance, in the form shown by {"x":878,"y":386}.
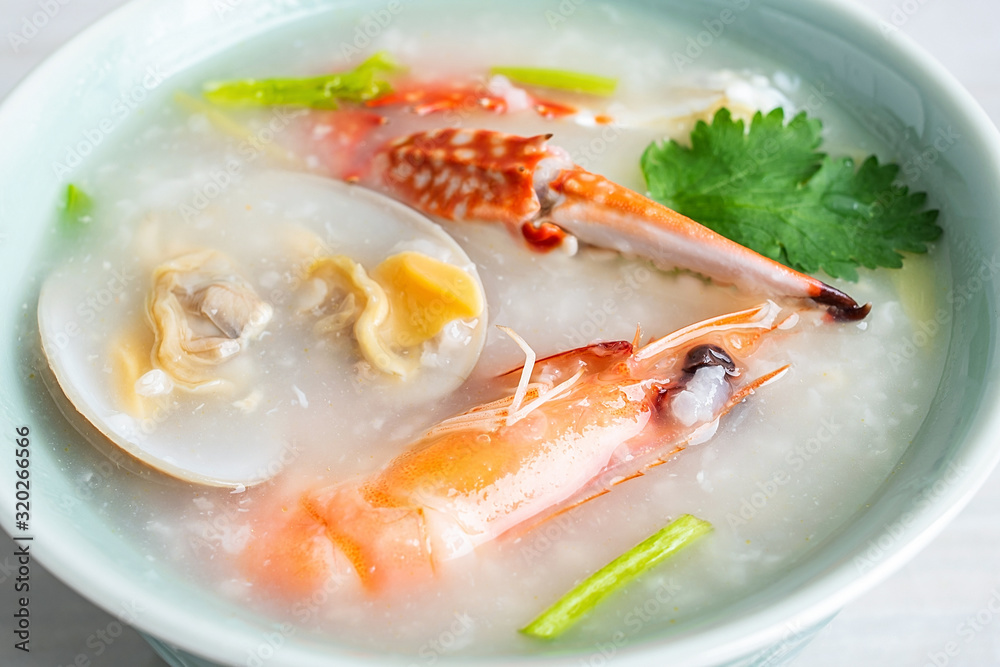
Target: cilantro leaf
{"x":770,"y":190}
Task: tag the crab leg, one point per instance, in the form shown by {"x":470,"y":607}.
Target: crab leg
{"x":537,"y":191}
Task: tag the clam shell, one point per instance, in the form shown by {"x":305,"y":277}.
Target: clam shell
{"x":246,"y":429}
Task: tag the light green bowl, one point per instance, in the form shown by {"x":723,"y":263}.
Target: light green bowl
{"x":890,"y":86}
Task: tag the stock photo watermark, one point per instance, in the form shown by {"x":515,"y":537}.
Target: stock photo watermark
{"x":270,"y":644}
{"x":635,"y":619}
{"x":795,"y":634}
{"x":959,"y":297}
{"x":966,"y":631}
{"x":456,"y":635}
{"x":703,"y":40}
{"x":91,"y":479}
{"x":878,"y":547}
{"x":102,"y":638}
{"x":93,"y":304}
{"x":795,"y":461}
{"x":22,"y":538}
{"x":249,"y":150}
{"x":584,"y":156}
{"x":542,"y":538}
{"x":626,"y":288}
{"x":260,"y":8}
{"x":34,"y":23}
{"x":562,"y":13}
{"x":368,"y":28}
{"x":120,"y":109}
{"x":899,"y":16}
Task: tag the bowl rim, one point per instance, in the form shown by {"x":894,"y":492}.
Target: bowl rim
{"x":821,"y":597}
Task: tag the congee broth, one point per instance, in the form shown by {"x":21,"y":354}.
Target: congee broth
{"x":179,"y":196}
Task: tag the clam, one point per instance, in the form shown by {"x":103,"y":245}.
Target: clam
{"x":213,"y":345}
{"x":202,"y":315}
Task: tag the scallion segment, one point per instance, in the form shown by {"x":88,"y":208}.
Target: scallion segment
{"x":360,"y":84}
{"x":587,"y":594}
{"x":76,"y":206}
{"x":577,"y":82}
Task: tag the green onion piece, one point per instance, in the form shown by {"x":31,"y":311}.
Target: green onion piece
{"x":587,"y":594}
{"x":76,"y":207}
{"x":577,"y":82}
{"x":321,"y":92}
{"x":227,"y":125}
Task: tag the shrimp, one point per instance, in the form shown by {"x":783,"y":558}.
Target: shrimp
{"x":574,"y":425}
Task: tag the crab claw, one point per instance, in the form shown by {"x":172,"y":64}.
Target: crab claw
{"x":540,"y":194}
{"x":602,"y":213}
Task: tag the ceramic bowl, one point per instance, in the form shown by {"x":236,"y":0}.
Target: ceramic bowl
{"x":891,"y":88}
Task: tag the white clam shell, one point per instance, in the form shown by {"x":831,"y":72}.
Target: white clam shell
{"x":272,"y":226}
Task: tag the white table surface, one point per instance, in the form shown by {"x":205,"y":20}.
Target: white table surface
{"x":911,"y":619}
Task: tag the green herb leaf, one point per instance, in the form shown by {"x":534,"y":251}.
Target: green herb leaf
{"x":587,"y":594}
{"x":321,"y":92}
{"x":577,"y":82}
{"x":770,"y":190}
{"x":76,"y":206}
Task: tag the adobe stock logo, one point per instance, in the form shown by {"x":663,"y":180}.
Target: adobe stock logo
{"x":35,"y":23}
{"x":121,"y":108}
